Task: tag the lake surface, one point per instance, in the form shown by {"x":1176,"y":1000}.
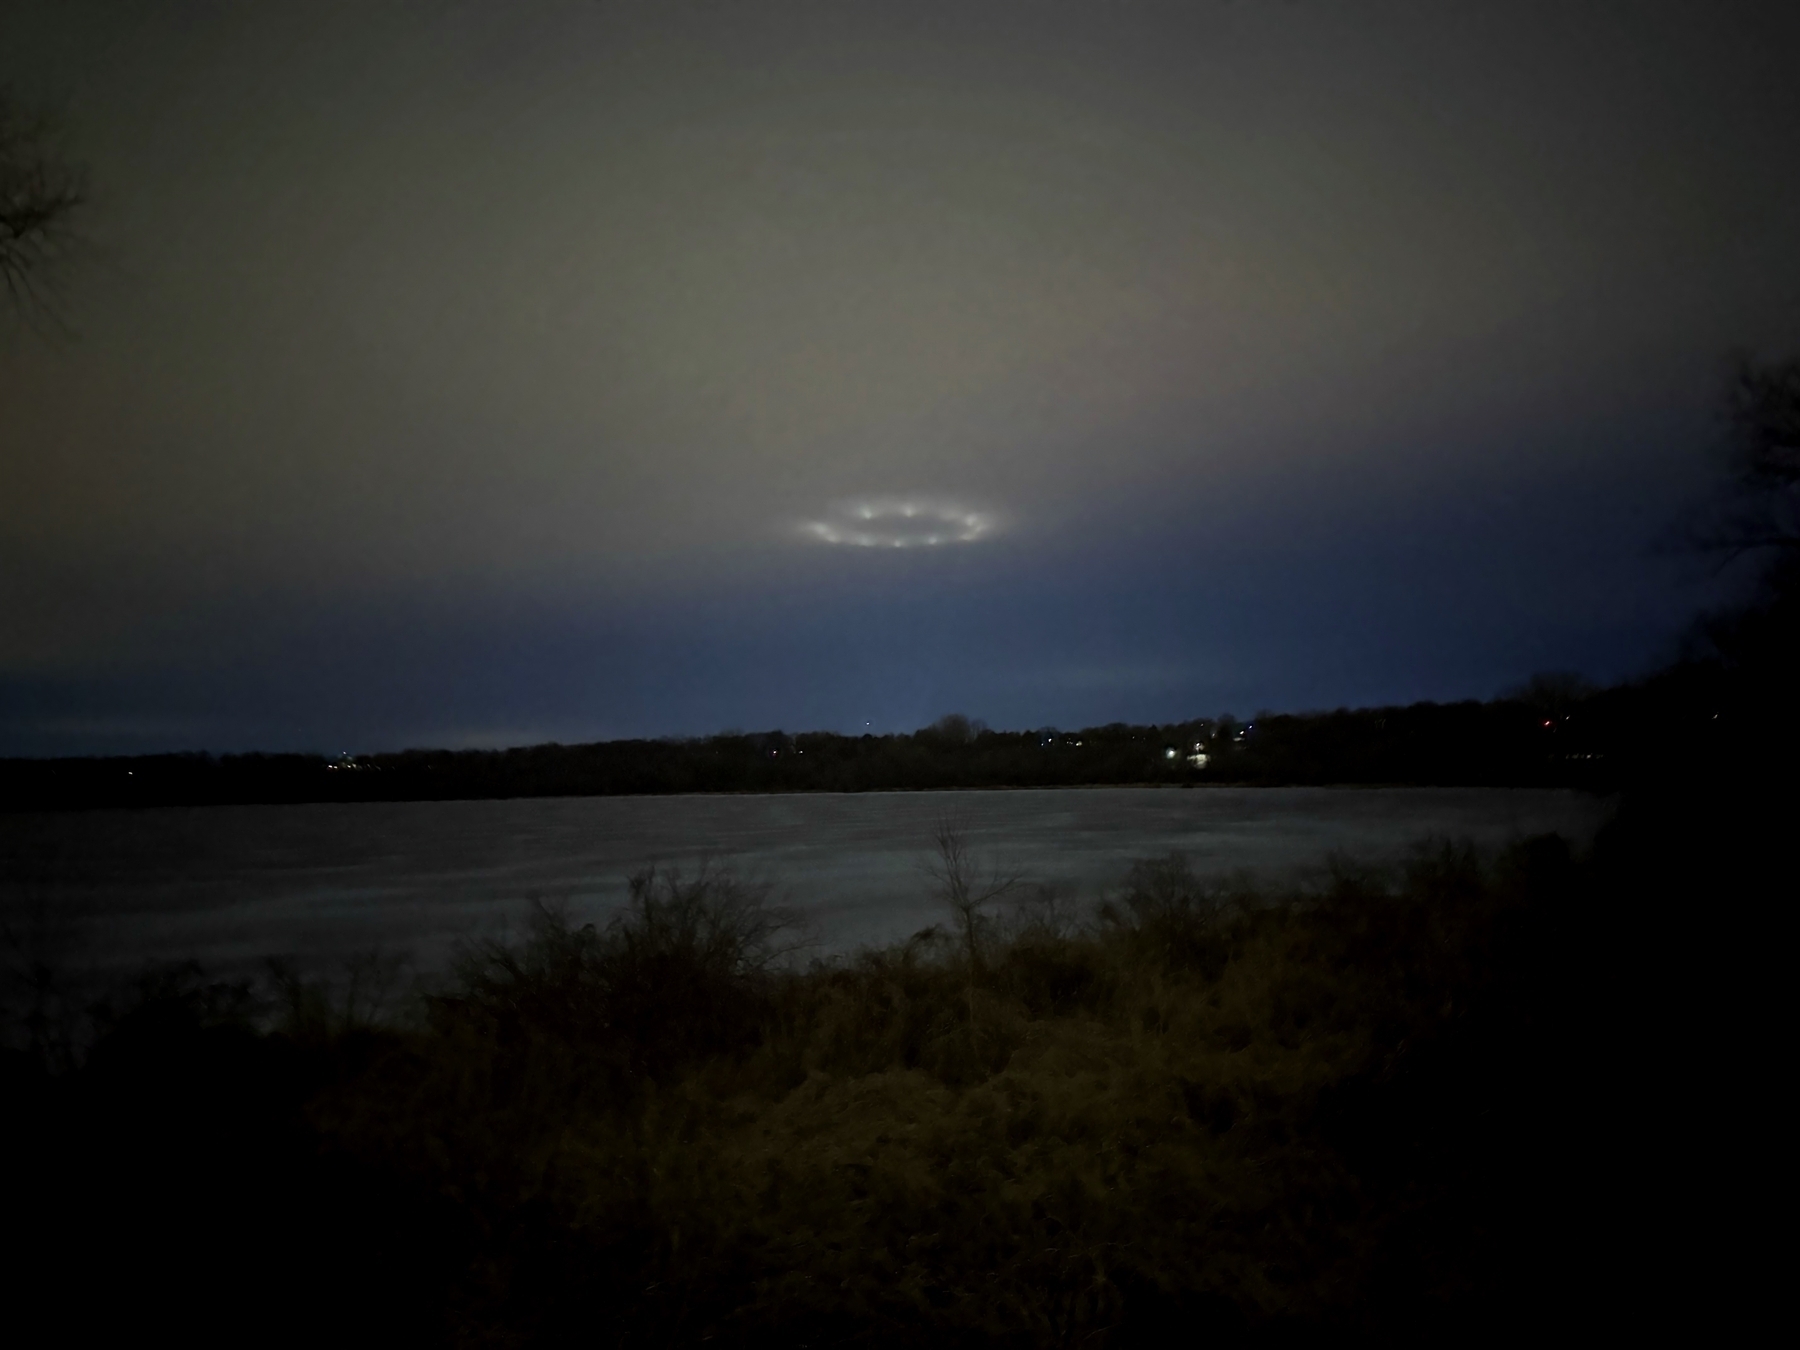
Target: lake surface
{"x":231,"y":885}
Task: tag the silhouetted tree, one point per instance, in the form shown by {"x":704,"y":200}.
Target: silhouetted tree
{"x":954,"y":729}
{"x":40,"y":193}
{"x":1553,"y":692}
{"x":1757,"y":643}
{"x":1762,"y":506}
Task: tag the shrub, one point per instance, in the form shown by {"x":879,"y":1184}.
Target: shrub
{"x":1338,"y":1113}
{"x":682,"y":972}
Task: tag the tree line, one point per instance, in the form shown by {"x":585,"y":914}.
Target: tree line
{"x":1545,"y":735}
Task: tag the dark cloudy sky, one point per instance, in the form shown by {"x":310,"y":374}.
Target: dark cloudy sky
{"x":458,"y":373}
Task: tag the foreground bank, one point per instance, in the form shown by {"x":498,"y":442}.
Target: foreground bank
{"x":1388,"y":1107}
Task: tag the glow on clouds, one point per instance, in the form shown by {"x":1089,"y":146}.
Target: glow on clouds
{"x":900,"y":523}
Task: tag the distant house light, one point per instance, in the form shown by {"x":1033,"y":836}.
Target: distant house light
{"x":1197,"y":759}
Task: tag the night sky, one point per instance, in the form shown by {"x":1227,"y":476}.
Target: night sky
{"x":483,"y":374}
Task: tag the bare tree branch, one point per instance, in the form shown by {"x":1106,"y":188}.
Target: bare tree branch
{"x":41,"y":193}
{"x":1760,"y":508}
{"x":967,"y":889}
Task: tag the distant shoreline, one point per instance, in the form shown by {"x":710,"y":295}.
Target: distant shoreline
{"x":1593,"y":745}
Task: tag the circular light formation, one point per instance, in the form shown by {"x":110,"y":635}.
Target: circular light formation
{"x":900,"y":524}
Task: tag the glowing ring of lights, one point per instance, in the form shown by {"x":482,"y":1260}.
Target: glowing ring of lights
{"x":900,"y":524}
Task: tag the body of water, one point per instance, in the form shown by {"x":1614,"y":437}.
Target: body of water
{"x":229,"y":886}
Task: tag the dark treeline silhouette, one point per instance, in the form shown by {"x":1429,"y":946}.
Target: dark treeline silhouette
{"x":1555,"y":732}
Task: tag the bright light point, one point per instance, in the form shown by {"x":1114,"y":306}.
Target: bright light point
{"x":899,"y":523}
